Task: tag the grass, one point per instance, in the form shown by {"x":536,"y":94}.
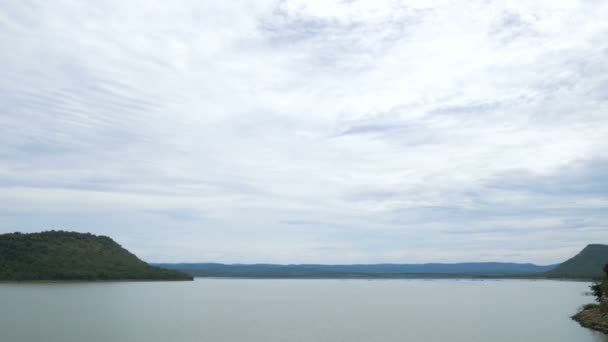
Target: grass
{"x":593,"y":316}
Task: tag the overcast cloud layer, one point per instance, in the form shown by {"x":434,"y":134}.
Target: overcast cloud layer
{"x":308,"y":131}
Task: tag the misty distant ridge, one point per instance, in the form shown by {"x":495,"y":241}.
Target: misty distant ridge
{"x":586,"y":264}
{"x":469,"y":269}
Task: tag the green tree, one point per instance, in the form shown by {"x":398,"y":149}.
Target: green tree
{"x":600,"y":291}
{"x":600,"y":288}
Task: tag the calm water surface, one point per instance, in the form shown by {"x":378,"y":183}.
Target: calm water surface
{"x":238,"y":310}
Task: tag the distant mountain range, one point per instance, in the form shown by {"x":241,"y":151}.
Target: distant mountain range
{"x":435,"y":270}
{"x":585,"y":265}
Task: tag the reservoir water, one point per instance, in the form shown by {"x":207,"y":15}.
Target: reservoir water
{"x":241,"y":310}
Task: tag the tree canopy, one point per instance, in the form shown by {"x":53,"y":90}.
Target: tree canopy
{"x":61,"y":255}
{"x":600,"y":288}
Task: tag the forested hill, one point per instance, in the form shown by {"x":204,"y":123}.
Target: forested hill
{"x":60,"y":255}
{"x":588,"y":263}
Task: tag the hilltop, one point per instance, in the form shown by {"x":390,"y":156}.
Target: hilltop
{"x":60,"y":255}
{"x":587,"y":264}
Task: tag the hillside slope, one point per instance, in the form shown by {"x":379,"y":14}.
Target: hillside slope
{"x":588,"y":263}
{"x":60,"y":255}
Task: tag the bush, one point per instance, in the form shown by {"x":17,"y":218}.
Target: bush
{"x":604,"y":308}
{"x":588,"y":306}
{"x":600,"y":288}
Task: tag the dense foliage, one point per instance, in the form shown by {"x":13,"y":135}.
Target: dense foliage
{"x":600,"y":288}
{"x":586,"y":264}
{"x":595,"y":316}
{"x":60,"y":255}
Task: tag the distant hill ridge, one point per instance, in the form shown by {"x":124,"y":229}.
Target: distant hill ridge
{"x":588,"y":263}
{"x":585,"y":265}
{"x":61,"y":255}
{"x":431,"y":270}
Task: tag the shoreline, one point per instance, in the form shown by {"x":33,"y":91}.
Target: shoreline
{"x":73,"y":281}
{"x":591,"y":318}
{"x":68,"y":281}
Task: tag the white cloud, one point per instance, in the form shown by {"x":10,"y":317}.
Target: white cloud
{"x":354,"y":117}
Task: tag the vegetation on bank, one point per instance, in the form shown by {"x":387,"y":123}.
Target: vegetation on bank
{"x":595,"y":316}
{"x":61,"y":255}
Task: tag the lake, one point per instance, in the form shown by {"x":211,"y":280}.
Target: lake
{"x":238,"y":310}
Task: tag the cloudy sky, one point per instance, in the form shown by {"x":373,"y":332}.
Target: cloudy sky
{"x":308,"y":131}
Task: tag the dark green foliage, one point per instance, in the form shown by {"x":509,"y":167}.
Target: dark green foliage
{"x":595,"y":316}
{"x":60,"y":255}
{"x":603,"y":307}
{"x":587,"y":264}
{"x":600,"y":289}
{"x":597,"y":291}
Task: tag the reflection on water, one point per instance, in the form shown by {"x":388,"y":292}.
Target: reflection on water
{"x":295,"y":310}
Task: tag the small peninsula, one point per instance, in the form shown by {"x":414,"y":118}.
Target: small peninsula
{"x":60,"y":255}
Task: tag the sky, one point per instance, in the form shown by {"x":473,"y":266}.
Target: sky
{"x":308,"y":131}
